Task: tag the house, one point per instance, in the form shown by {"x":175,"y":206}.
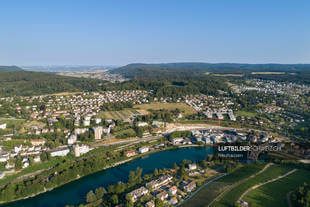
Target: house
{"x":157,"y":123}
{"x":4,"y":156}
{"x":106,"y":130}
{"x":142,"y":124}
{"x":135,"y":194}
{"x":162,"y":195}
{"x":173,"y":190}
{"x":80,"y":130}
{"x":177,"y":141}
{"x":9,"y":165}
{"x":37,"y":159}
{"x":72,"y":139}
{"x":3,"y":126}
{"x":98,"y":120}
{"x":192,"y":166}
{"x":17,"y":149}
{"x":219,"y":116}
{"x":37,"y":142}
{"x":26,"y":164}
{"x":63,"y":151}
{"x":86,"y":122}
{"x":144,"y":149}
{"x":173,"y":201}
{"x":151,"y":203}
{"x":190,"y":186}
{"x":130,"y":153}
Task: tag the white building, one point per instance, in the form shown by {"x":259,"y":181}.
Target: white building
{"x":80,"y":150}
{"x":98,"y":120}
{"x":192,"y":166}
{"x":98,"y":132}
{"x":144,"y":149}
{"x":142,"y":124}
{"x":177,"y":141}
{"x":4,"y":157}
{"x":37,"y":159}
{"x":60,"y":152}
{"x":86,"y":122}
{"x":232,"y":116}
{"x":3,"y":126}
{"x":17,"y":149}
{"x":72,"y":139}
{"x":80,"y":130}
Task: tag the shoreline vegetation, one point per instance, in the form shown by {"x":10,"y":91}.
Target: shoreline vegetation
{"x":105,"y":168}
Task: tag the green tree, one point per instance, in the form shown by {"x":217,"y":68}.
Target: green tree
{"x":100,"y":192}
{"x":91,"y":197}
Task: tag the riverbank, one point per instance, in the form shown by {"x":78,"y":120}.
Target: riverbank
{"x":105,"y":168}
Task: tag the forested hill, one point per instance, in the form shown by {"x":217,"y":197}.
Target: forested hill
{"x":167,"y":70}
{"x":9,"y":68}
{"x":26,"y":83}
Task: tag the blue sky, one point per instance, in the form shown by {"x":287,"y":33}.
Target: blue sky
{"x":118,"y":32}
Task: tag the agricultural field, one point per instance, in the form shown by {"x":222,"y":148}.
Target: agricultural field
{"x":242,"y":173}
{"x":206,"y":195}
{"x":211,"y":191}
{"x":275,"y":193}
{"x":231,"y":197}
{"x":119,"y":115}
{"x":185,"y":109}
{"x":268,"y":73}
{"x":228,"y":74}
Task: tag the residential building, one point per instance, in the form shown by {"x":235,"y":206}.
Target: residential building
{"x":98,"y":132}
{"x":130,"y":153}
{"x":72,"y":139}
{"x":162,"y":195}
{"x":135,"y":194}
{"x":190,"y":186}
{"x":151,"y":203}
{"x":163,"y":180}
{"x":63,"y":151}
{"x":173,"y":190}
{"x":80,"y":150}
{"x":37,"y":142}
{"x":192,"y":166}
{"x":3,"y":126}
{"x":173,"y":201}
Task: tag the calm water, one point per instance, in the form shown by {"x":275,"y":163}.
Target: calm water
{"x":74,"y":192}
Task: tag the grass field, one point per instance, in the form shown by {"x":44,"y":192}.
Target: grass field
{"x":11,"y":122}
{"x":246,"y":113}
{"x":274,"y":194}
{"x":185,"y":109}
{"x":231,"y":197}
{"x":124,"y":114}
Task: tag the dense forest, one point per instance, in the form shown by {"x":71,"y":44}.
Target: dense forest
{"x":9,"y":68}
{"x":291,"y":72}
{"x":26,"y":83}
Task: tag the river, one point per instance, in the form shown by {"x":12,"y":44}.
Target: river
{"x":75,"y":192}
